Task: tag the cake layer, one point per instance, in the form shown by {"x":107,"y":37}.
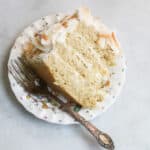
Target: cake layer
{"x":71,"y":81}
{"x":85,"y":68}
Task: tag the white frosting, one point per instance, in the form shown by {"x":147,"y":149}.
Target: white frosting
{"x":60,"y":36}
{"x":102,"y":42}
{"x":84,"y":15}
{"x":58,"y":32}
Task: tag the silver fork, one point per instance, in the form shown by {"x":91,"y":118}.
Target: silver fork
{"x":31,"y":82}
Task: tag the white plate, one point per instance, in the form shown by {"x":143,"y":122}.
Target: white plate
{"x":42,"y":108}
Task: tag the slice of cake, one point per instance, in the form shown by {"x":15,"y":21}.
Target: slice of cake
{"x":74,"y":56}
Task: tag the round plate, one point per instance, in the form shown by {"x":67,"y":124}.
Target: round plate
{"x":48,"y":110}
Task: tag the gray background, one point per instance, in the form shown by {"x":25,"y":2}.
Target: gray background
{"x":128,"y":120}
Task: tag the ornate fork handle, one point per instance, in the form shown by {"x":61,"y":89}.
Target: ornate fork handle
{"x":103,"y":139}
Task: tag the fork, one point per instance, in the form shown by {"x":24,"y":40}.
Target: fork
{"x":25,"y":76}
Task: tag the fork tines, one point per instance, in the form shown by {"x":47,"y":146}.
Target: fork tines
{"x":20,"y":72}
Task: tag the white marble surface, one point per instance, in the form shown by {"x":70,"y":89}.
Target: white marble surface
{"x":128,"y":120}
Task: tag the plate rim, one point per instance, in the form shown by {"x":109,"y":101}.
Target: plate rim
{"x":52,"y":121}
